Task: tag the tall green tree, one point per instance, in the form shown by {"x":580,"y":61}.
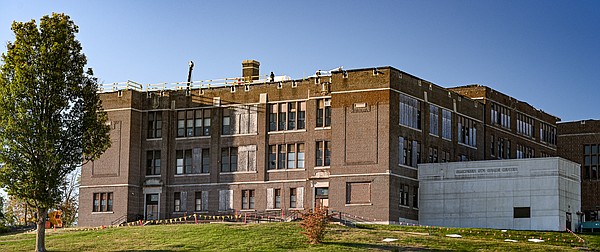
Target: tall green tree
{"x":51,"y":119}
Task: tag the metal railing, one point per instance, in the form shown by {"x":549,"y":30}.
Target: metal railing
{"x":201,"y":84}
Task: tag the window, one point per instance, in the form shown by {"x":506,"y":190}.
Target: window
{"x":467,"y":131}
{"x":445,"y":156}
{"x":323,"y":153}
{"x":433,"y":154}
{"x":324,"y":112}
{"x":501,"y":153}
{"x":192,"y":123}
{"x":247,"y":199}
{"x":493,"y":146}
{"x":241,"y":159}
{"x":591,"y":161}
{"x":177,"y":202}
{"x":548,"y":134}
{"x":522,"y":212}
{"x":153,"y":162}
{"x":229,"y":159}
{"x":434,"y":117}
{"x":525,"y":125}
{"x":240,"y":119}
{"x":410,"y":152}
{"x":410,"y":112}
{"x":184,"y":162}
{"x":205,"y":160}
{"x":415,"y":197}
{"x":287,"y":116}
{"x":293,"y":197}
{"x":103,"y":202}
{"x":286,"y":156}
{"x":446,"y":124}
{"x":525,"y":152}
{"x":403,"y":195}
{"x":277,"y":199}
{"x":500,"y":115}
{"x":358,"y":192}
{"x":155,"y":124}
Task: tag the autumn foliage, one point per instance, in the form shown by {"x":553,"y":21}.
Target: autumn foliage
{"x":314,"y":223}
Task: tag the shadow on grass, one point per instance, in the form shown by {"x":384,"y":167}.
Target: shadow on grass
{"x":381,"y":247}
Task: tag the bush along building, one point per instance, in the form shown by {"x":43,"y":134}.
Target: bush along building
{"x":346,"y":139}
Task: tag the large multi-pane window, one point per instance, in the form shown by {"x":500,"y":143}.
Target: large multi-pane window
{"x":155,"y":124}
{"x":191,"y":123}
{"x":324,"y":112}
{"x":240,"y":159}
{"x":500,"y":115}
{"x":525,"y":125}
{"x":192,"y":161}
{"x":404,"y":195}
{"x":548,"y":134}
{"x":467,"y":131}
{"x":286,"y":156}
{"x":247,"y":199}
{"x":240,"y":119}
{"x":184,"y":162}
{"x":591,"y":161}
{"x":323,"y":153}
{"x":446,"y":124}
{"x":103,"y":202}
{"x":153,"y":162}
{"x":287,"y":116}
{"x":410,"y":112}
{"x":434,"y":118}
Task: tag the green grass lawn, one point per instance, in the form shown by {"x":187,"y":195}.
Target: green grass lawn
{"x":287,"y":237}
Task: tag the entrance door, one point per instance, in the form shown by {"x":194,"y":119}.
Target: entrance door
{"x":569,"y":220}
{"x":322,"y":197}
{"x":151,"y":206}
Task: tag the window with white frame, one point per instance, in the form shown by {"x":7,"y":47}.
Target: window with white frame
{"x":467,"y":131}
{"x":525,"y":125}
{"x":286,"y":156}
{"x":548,"y":134}
{"x":500,"y":115}
{"x":434,"y":117}
{"x":446,"y":124}
{"x":410,"y":112}
{"x":191,"y":123}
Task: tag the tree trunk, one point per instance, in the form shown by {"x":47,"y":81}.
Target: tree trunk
{"x":40,"y":239}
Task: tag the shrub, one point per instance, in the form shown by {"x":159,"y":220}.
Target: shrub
{"x":314,"y":223}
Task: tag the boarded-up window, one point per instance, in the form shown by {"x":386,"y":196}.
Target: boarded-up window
{"x":246,"y":158}
{"x":240,"y":120}
{"x":225,"y":200}
{"x":358,"y":192}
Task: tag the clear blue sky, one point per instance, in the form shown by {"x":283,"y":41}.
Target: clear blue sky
{"x":546,"y":53}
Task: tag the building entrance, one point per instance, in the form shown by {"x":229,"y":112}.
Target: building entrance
{"x":152,"y":212}
{"x":322,"y":197}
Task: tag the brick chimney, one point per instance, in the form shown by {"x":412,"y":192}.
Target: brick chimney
{"x":250,"y":70}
